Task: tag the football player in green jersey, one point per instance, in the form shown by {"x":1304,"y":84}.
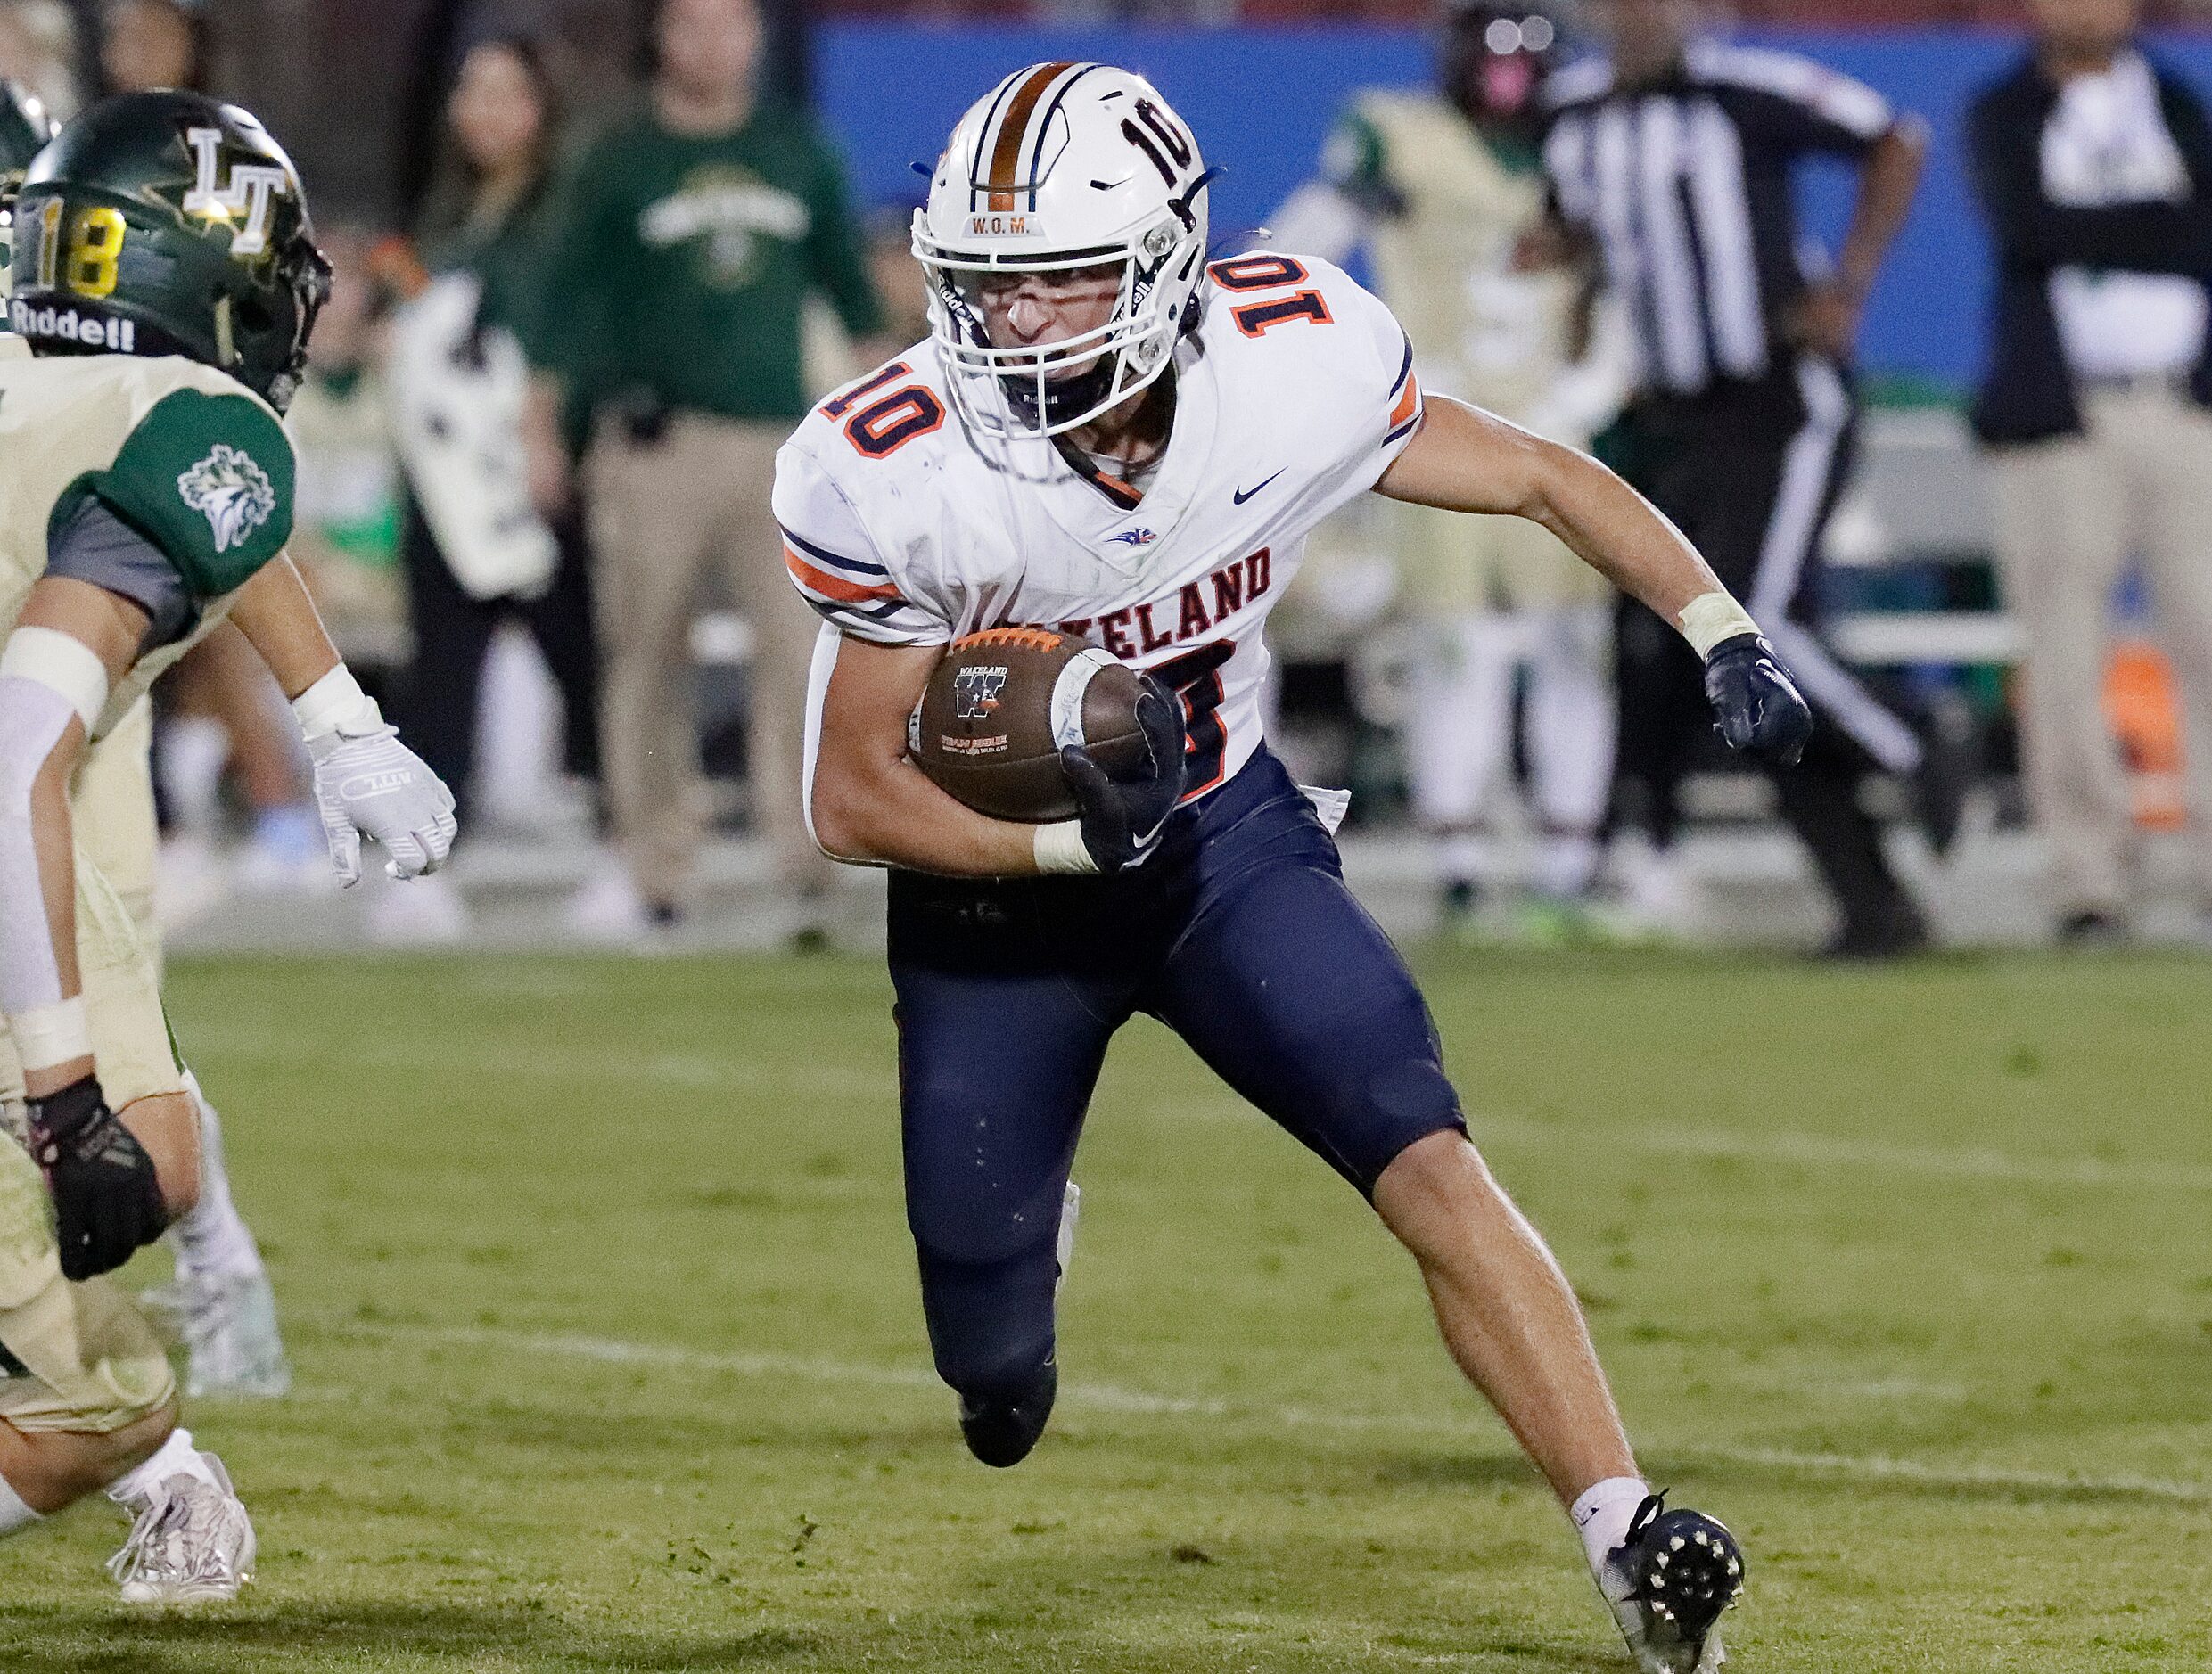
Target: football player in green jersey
{"x":220,"y":1301}
{"x":165,"y":284}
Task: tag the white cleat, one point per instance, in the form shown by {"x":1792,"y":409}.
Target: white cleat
{"x":228,"y":1323}
{"x":1668,"y":1583}
{"x":192,"y":1542}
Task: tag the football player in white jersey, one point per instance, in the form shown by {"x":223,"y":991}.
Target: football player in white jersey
{"x":1108,"y":436}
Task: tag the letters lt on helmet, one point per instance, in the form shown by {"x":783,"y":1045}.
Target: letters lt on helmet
{"x":1063,"y":168}
{"x":168,"y":223}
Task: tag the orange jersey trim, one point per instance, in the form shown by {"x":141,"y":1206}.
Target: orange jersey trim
{"x":832,"y":586}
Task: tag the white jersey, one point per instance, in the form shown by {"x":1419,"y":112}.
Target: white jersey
{"x":1294,"y":394}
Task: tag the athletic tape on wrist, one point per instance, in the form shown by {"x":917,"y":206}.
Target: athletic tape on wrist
{"x":49,"y":1035}
{"x":1060,"y":849}
{"x":60,"y":662}
{"x":335,"y":702}
{"x":1711,"y":617}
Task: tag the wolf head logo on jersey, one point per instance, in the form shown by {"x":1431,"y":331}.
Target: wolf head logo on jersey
{"x":1064,"y":168}
{"x":975,"y":691}
{"x":232,"y":492}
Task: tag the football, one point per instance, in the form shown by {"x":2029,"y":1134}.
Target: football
{"x":1000,"y":705}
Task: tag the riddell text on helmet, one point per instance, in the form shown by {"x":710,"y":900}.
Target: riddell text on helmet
{"x":49,"y":321}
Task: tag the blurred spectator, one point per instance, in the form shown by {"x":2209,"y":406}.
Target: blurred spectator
{"x":896,"y":275}
{"x":475,"y":550}
{"x":151,"y":44}
{"x":690,"y":236}
{"x":1744,"y":427}
{"x":38,"y":50}
{"x":1447,"y":189}
{"x":346,"y":526}
{"x":2094,"y":165}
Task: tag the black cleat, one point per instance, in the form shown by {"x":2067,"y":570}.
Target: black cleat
{"x":1001,"y":1433}
{"x":1668,"y":1583}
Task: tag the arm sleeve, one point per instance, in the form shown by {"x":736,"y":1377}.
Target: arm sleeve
{"x":94,"y":545}
{"x":2034,"y":235}
{"x":835,"y":565}
{"x":836,"y":252}
{"x":206,"y":481}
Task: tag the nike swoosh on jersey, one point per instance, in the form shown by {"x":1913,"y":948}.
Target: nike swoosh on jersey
{"x":1242,"y":495}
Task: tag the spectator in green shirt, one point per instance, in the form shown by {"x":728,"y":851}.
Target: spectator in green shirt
{"x":688,"y":239}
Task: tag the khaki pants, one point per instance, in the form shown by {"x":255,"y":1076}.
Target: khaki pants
{"x":2069,"y":513}
{"x":662,"y":512}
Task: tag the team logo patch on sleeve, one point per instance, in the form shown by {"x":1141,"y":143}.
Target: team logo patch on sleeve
{"x":232,"y":492}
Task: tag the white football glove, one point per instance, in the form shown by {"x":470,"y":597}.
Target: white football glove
{"x":368,"y":784}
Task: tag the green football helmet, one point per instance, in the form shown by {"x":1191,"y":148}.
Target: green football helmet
{"x":168,"y":223}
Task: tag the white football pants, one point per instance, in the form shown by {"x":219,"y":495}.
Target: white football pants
{"x":1459,"y":739}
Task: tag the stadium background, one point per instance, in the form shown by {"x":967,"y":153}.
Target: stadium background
{"x":354,"y":87}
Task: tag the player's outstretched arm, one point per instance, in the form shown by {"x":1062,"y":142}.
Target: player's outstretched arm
{"x":71,"y":643}
{"x":870,"y":804}
{"x":368,"y":784}
{"x":1465,"y":460}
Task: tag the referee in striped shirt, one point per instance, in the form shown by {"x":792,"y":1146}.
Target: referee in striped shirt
{"x":1674,"y":160}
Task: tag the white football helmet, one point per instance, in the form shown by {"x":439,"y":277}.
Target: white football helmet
{"x":1064,"y":167}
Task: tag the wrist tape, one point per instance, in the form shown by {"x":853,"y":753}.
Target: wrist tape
{"x":1711,"y":617}
{"x":336,"y":704}
{"x":1060,"y":849}
{"x":48,"y":1035}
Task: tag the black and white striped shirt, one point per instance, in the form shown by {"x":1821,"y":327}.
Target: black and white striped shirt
{"x":1686,"y":183}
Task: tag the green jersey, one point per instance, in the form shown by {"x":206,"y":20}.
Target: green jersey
{"x":187,"y":456}
{"x":682,"y":264}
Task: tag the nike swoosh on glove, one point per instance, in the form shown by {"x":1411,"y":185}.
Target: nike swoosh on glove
{"x":1756,"y":706}
{"x":1122,"y":819}
{"x":368,"y":784}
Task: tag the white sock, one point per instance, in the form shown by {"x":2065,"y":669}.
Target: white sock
{"x":194,"y":751}
{"x":1602,"y":1512}
{"x":14,"y":1514}
{"x":177,"y":1457}
{"x":213,"y":1237}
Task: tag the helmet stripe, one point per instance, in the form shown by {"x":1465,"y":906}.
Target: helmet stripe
{"x":1043,"y":126}
{"x":1005,"y":150}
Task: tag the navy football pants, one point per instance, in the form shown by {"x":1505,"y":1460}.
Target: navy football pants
{"x":1238,"y":935}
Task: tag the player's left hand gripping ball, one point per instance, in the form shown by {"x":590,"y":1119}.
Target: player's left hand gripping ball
{"x":1755,"y":704}
{"x":368,"y":784}
{"x":1122,"y":818}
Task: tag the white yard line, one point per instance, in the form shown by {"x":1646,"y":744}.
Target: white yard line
{"x":1113,"y":1397}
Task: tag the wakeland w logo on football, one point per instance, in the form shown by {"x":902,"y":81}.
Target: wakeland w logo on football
{"x":975,"y":692}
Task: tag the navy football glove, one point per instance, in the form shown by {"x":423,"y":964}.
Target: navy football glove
{"x":107,"y":1201}
{"x":1756,"y":705}
{"x":1122,"y":819}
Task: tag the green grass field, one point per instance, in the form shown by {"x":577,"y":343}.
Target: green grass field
{"x":610,"y":1357}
